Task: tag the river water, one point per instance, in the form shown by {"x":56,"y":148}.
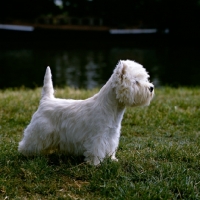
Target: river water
{"x":89,"y":64}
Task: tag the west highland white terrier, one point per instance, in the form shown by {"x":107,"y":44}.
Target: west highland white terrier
{"x":88,"y":127}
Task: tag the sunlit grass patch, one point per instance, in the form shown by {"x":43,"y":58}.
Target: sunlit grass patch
{"x":159,"y":152}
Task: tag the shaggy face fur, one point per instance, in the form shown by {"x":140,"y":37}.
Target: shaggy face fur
{"x":88,"y":127}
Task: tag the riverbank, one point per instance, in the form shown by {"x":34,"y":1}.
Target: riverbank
{"x":158,"y":152}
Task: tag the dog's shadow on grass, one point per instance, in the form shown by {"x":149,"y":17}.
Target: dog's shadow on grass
{"x":60,"y":159}
{"x":56,"y":159}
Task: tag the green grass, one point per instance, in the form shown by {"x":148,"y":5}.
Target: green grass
{"x":159,"y":152}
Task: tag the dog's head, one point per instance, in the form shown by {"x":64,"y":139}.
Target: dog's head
{"x":131,"y":84}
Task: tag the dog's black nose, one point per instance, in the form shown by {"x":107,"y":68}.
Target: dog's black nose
{"x":151,"y":89}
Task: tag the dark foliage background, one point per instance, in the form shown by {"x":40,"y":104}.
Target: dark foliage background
{"x":177,"y":15}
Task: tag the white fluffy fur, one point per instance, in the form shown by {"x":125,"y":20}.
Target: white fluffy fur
{"x":88,"y":127}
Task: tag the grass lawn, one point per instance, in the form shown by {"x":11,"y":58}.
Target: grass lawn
{"x":159,"y":152}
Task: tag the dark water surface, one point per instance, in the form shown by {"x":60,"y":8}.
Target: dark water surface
{"x":86,"y":63}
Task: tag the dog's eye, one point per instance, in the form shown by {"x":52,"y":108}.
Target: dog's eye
{"x":137,"y":82}
{"x":151,"y":89}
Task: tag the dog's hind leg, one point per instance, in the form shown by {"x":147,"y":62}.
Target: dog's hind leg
{"x":37,"y":139}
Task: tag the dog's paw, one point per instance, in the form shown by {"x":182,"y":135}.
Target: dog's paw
{"x":114,"y":159}
{"x":94,"y":162}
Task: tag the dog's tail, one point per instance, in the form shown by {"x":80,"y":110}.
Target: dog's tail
{"x":47,"y":90}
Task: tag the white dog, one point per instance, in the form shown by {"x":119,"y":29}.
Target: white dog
{"x":88,"y":127}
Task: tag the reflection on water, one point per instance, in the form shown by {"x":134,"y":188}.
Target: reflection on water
{"x":91,"y":67}
{"x":82,"y":69}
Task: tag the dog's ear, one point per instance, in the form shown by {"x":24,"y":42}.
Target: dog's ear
{"x":120,"y":70}
{"x":123,"y":70}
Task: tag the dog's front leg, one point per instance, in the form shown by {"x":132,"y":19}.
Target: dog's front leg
{"x":96,"y":149}
{"x":92,"y":159}
{"x":113,"y":158}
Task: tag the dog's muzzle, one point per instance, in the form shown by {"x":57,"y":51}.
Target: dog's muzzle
{"x":151,"y":89}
